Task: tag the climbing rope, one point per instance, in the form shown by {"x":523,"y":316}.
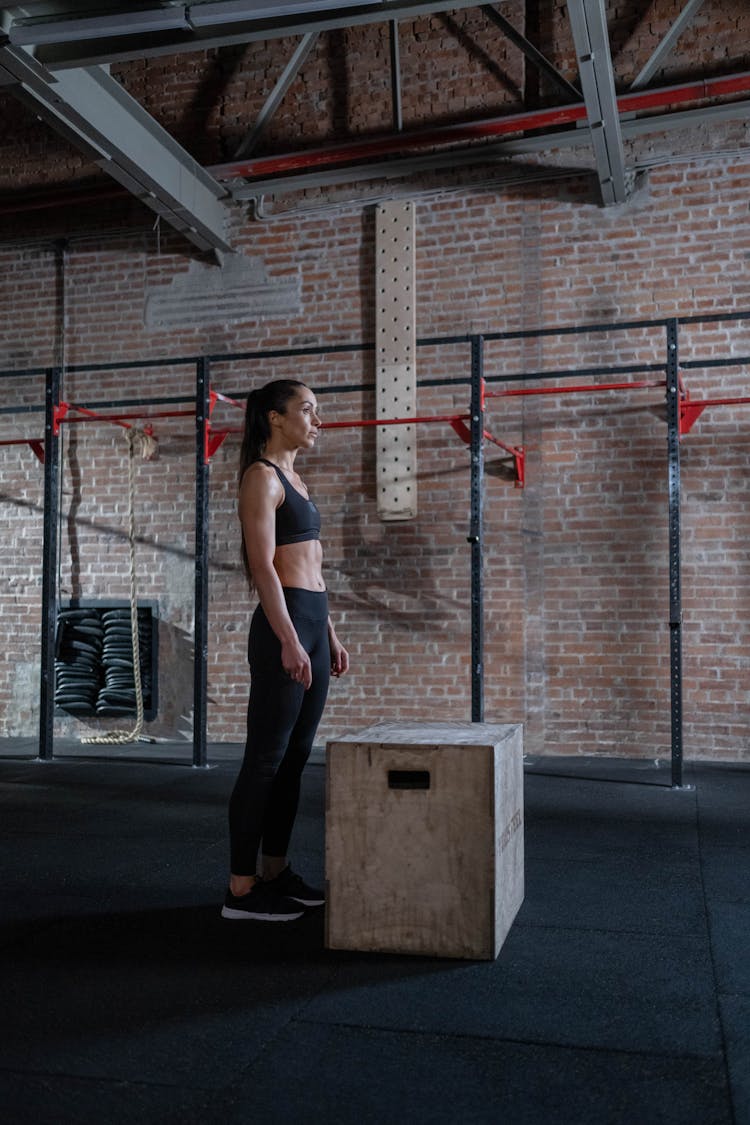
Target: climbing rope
{"x":139,"y":442}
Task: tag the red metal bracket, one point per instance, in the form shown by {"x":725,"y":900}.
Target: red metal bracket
{"x":215,"y":397}
{"x":463,"y":431}
{"x":690,"y":412}
{"x":517,"y":452}
{"x":58,"y":414}
{"x":214,"y":440}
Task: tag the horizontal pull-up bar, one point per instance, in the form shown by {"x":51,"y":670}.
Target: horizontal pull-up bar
{"x":579,"y":388}
{"x":36,"y":444}
{"x":61,"y":415}
{"x":217,"y":435}
{"x":450,"y":418}
{"x":691,"y":409}
{"x":457,"y":421}
{"x":214,"y":396}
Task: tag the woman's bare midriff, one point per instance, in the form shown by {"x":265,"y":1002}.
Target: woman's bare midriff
{"x":300,"y":565}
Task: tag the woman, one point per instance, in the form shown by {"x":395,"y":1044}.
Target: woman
{"x":292,"y":650}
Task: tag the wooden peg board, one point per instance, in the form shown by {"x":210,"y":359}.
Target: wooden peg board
{"x":396,"y":376}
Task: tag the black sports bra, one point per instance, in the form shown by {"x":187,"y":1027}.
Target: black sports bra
{"x":297,"y":519}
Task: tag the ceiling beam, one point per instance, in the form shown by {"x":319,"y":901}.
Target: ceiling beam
{"x":535,"y":57}
{"x":665,"y":46}
{"x":588,"y":22}
{"x":275,"y":98}
{"x":397,"y":108}
{"x":373,"y":160}
{"x":498,"y":154}
{"x":526,"y":126}
{"x":95,"y":114}
{"x":209,"y":25}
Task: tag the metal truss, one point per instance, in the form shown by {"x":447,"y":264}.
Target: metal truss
{"x":47,"y":50}
{"x":74,"y":37}
{"x":588,"y":23}
{"x":98,"y":116}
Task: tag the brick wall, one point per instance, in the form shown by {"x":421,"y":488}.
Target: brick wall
{"x":576,"y":564}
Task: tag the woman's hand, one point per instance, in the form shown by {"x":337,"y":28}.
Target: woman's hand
{"x":296,"y":663}
{"x":339,"y":655}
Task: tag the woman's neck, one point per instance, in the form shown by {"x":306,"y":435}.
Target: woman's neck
{"x":280,"y":456}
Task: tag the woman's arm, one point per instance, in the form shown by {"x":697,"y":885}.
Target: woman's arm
{"x":260,"y":494}
{"x":339,"y":655}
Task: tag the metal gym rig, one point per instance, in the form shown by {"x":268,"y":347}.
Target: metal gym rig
{"x":681,"y":414}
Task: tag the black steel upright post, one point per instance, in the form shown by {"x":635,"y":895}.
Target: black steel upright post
{"x":476,"y":531}
{"x":49,"y":562}
{"x":675,"y":594}
{"x":200,"y":629}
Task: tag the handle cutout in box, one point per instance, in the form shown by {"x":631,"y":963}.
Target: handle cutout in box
{"x":408,"y":779}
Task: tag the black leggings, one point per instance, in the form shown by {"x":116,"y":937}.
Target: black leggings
{"x":282,"y":719}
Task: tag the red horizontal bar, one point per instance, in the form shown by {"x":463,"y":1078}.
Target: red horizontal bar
{"x":392,"y":421}
{"x":35,"y":444}
{"x":692,"y":408}
{"x":403,"y":142}
{"x":704,"y":402}
{"x":578,"y":388}
{"x":91,"y":414}
{"x":701,"y":90}
{"x":215,"y":436}
{"x":368,"y":422}
{"x":119,"y":418}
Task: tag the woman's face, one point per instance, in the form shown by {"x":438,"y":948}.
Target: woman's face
{"x":300,"y":424}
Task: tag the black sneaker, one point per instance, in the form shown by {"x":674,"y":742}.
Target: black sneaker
{"x":290,"y":885}
{"x":260,"y":904}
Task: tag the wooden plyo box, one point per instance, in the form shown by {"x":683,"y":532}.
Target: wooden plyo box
{"x":424,"y":838}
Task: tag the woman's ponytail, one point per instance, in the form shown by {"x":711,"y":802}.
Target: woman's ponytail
{"x":260,"y":403}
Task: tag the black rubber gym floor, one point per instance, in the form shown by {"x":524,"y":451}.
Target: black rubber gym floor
{"x":621,"y":995}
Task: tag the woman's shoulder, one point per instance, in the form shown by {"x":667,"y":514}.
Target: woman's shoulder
{"x":260,"y":477}
{"x":259,"y":469}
